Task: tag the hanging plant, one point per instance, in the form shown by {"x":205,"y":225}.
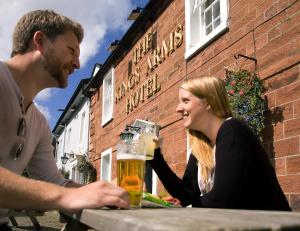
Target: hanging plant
{"x":245,"y":90}
{"x":88,"y":170}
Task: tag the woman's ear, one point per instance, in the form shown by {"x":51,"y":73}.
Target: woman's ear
{"x":207,"y":106}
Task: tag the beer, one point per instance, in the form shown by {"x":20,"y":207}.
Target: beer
{"x":149,"y":144}
{"x":130,"y":173}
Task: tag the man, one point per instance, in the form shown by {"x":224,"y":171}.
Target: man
{"x":45,"y":51}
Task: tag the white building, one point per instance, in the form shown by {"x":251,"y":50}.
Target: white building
{"x":71,"y":133}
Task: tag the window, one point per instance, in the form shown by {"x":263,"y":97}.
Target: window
{"x":69,"y":139}
{"x":73,"y":174}
{"x":105,"y":171}
{"x":108,"y":98}
{"x":205,"y":19}
{"x":82,"y":126}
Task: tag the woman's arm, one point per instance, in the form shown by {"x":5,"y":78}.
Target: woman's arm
{"x":183,"y":189}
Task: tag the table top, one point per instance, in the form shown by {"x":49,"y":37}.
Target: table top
{"x":183,"y":219}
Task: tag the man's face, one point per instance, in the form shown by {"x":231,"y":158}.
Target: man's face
{"x":62,"y":57}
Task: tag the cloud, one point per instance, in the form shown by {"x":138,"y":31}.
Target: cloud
{"x":44,"y":110}
{"x":45,"y":94}
{"x":96,"y":16}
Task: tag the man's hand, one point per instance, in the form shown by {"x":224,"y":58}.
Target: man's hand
{"x":94,"y":195}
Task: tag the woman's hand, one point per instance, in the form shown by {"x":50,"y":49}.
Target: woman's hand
{"x":156,"y":142}
{"x":172,"y":200}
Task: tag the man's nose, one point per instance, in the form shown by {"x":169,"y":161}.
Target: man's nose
{"x":76,"y":63}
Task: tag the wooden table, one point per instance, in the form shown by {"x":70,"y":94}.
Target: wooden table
{"x":184,"y":219}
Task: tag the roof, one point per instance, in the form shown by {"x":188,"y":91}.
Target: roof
{"x":149,"y":15}
{"x":76,"y":100}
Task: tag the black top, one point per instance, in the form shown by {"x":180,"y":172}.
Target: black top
{"x":244,"y":177}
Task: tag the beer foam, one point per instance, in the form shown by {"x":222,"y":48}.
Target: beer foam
{"x":128,"y":156}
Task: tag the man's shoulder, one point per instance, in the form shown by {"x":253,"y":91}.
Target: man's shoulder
{"x":39,"y":117}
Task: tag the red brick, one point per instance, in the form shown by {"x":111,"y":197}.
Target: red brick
{"x":287,"y":111}
{"x":261,"y":41}
{"x":292,"y":127}
{"x":295,"y":202}
{"x":271,"y":11}
{"x":282,"y":55}
{"x":290,"y":183}
{"x":286,"y":147}
{"x":293,"y":164}
{"x":270,"y":97}
{"x":274,"y":33}
{"x":283,"y":79}
{"x":264,"y":6}
{"x":293,"y":9}
{"x":278,"y":131}
{"x":280,"y":166}
{"x":288,"y":93}
{"x":297,"y":108}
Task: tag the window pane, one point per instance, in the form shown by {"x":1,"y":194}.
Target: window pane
{"x":216,"y":10}
{"x":208,"y":29}
{"x":107,"y":97}
{"x":208,"y":17}
{"x":108,"y":92}
{"x":217,"y":22}
{"x":208,"y":3}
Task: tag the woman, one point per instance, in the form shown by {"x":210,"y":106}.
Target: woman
{"x":228,"y":167}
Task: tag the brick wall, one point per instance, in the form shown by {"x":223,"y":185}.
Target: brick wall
{"x":268,"y":30}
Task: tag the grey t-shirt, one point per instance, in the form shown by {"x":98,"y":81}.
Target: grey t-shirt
{"x":37,"y":154}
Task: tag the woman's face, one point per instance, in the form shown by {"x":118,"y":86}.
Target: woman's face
{"x":192,"y":109}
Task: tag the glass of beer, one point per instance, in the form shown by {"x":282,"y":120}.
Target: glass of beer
{"x":131,"y":169}
{"x":147,"y":135}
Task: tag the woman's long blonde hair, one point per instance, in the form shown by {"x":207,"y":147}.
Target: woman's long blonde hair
{"x":213,"y":90}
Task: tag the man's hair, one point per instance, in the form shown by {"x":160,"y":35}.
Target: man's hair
{"x":49,"y":22}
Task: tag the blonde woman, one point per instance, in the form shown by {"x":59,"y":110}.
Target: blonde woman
{"x":228,"y":167}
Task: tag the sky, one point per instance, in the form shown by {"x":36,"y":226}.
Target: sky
{"x":103,"y":21}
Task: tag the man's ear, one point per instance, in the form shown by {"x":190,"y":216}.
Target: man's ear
{"x":38,"y":42}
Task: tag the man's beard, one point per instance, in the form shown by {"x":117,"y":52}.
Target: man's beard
{"x":53,"y":66}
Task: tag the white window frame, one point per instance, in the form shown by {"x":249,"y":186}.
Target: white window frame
{"x":82,"y":127}
{"x":69,"y":137}
{"x":106,"y":154}
{"x":194,"y":28}
{"x":108,"y":100}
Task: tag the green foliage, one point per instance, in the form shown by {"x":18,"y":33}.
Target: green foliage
{"x":65,"y":173}
{"x":245,"y":90}
{"x":88,"y":170}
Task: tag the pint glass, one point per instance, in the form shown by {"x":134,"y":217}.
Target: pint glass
{"x":131,"y":169}
{"x":147,"y":135}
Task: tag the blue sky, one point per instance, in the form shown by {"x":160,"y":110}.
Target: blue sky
{"x":103,"y":22}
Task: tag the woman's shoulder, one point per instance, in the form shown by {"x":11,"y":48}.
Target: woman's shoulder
{"x":234,"y":126}
{"x":233,"y":122}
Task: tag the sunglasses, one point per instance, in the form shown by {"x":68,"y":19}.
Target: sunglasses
{"x":21,"y":132}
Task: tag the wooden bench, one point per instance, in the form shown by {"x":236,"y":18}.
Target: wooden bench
{"x":32,"y":214}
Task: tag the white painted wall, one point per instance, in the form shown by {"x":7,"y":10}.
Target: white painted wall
{"x":74,"y":139}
